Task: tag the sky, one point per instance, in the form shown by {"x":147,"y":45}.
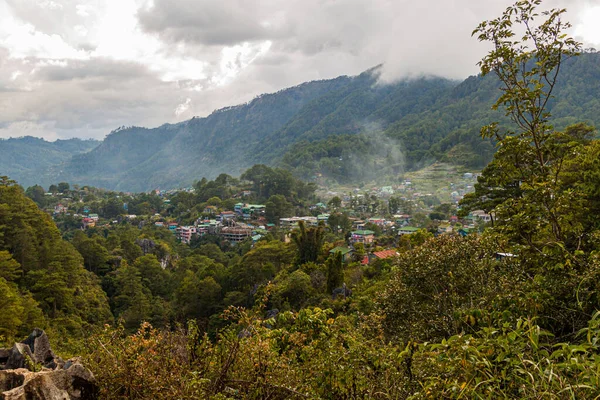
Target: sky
{"x":82,"y":68}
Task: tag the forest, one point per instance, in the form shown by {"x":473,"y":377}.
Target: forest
{"x":509,"y":312}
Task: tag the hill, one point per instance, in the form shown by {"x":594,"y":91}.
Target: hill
{"x":346,"y":128}
{"x":24,"y":157}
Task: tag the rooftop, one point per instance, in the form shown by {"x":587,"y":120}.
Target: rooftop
{"x":363,"y":232}
{"x":385,"y":254}
{"x":343,"y":250}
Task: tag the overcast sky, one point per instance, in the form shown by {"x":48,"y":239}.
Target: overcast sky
{"x":81,"y":68}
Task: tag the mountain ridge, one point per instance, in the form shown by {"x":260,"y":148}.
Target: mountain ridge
{"x":427,"y":119}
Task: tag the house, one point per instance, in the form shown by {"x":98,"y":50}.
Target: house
{"x":60,"y":209}
{"x":386,"y":191}
{"x":236,"y":234}
{"x":88,"y":223}
{"x":407,"y":230}
{"x":202,"y":229}
{"x":480,"y":215}
{"x":289,"y":223}
{"x":362,"y":236}
{"x":322,"y":217}
{"x":346,"y":252}
{"x":382,"y":255}
{"x":185,"y":233}
{"x":502,"y":256}
{"x":444,"y":228}
{"x":402,"y":219}
{"x":253,"y":210}
{"x":358,"y":225}
{"x":227,"y":216}
{"x":173,"y":226}
{"x":94,"y":217}
{"x":377,"y":221}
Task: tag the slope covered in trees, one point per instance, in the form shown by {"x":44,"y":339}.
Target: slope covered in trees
{"x":24,"y":158}
{"x":302,"y":128}
{"x":42,"y":279}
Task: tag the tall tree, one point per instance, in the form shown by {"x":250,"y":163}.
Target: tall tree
{"x":308,"y":242}
{"x":335,"y":271}
{"x":522,"y":184}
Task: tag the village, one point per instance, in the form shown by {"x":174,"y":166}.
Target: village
{"x":374,"y":219}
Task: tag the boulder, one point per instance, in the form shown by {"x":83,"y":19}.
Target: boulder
{"x":19,"y":357}
{"x":55,"y":379}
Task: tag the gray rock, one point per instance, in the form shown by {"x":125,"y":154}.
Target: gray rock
{"x":57,"y":380}
{"x":20,"y":356}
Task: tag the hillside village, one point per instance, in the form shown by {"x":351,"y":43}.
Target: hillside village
{"x":374,"y":218}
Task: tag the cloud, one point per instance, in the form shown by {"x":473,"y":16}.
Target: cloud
{"x":84,"y":67}
{"x":208,"y":22}
{"x":183,"y":107}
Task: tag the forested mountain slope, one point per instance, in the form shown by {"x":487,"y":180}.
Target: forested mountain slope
{"x":23,"y":157}
{"x":42,"y":279}
{"x":310,"y":129}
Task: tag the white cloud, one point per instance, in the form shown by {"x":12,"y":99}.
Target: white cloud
{"x":183,"y":107}
{"x":589,"y":26}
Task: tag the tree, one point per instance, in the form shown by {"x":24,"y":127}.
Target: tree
{"x":522,"y":184}
{"x":335,"y":202}
{"x":154,"y":277}
{"x":278,"y":207}
{"x":95,"y":256}
{"x":10,"y":269}
{"x":37,"y":194}
{"x":308,"y":242}
{"x":294,"y":290}
{"x":339,"y":222}
{"x":63,"y":187}
{"x":196,"y":297}
{"x":359,"y":252}
{"x":335,"y":271}
{"x":131,"y":302}
{"x":530,"y":186}
{"x":438,"y":283}
{"x":10,"y":304}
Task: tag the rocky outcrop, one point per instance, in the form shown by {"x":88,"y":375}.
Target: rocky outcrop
{"x":31,"y":371}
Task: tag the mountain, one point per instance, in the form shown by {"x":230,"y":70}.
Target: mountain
{"x":23,"y":158}
{"x":348,"y":128}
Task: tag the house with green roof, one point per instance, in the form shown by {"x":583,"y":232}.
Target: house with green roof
{"x":346,"y":252}
{"x":362,"y":236}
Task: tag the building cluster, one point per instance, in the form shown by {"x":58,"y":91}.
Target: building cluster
{"x":232,"y":226}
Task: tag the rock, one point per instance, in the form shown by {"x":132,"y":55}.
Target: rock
{"x":75,"y":383}
{"x":20,"y":356}
{"x":56,"y":380}
{"x":40,"y":347}
{"x":343,"y":291}
{"x":11,"y":379}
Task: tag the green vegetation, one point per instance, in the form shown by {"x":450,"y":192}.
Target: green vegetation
{"x":25,"y":158}
{"x":329,"y":305}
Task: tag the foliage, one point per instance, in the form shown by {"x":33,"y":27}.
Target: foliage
{"x":41,"y":273}
{"x":309,"y":242}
